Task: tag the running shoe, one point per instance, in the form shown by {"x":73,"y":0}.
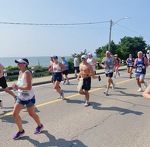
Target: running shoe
{"x":38,"y":129}
{"x":106,"y":92}
{"x":87,"y":104}
{"x":62,"y":95}
{"x":68,"y":83}
{"x":99,"y":78}
{"x":18,"y":135}
{"x":140,"y":90}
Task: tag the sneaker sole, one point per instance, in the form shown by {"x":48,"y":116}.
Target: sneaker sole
{"x":40,"y":131}
{"x":19,"y":136}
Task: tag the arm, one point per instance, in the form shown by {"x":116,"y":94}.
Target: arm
{"x":134,"y":63}
{"x":146,"y":93}
{"x":146,"y":62}
{"x":62,"y":67}
{"x":94,"y":62}
{"x":127,"y":61}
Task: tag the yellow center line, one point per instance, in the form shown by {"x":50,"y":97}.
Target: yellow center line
{"x":68,"y":97}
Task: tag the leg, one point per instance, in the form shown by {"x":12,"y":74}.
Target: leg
{"x":57,"y":87}
{"x":87,"y":96}
{"x":9,"y":92}
{"x":31,"y":111}
{"x":16,"y":116}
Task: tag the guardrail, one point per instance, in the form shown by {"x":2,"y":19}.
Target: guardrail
{"x":37,"y":72}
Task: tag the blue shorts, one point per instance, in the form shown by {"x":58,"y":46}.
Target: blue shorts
{"x":28,"y":103}
{"x":76,"y":68}
{"x":57,"y":76}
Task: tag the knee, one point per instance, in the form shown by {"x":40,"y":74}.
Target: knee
{"x":31,"y":114}
{"x":15,"y":115}
{"x":55,"y":87}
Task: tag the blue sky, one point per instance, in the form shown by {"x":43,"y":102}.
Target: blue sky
{"x":30,"y":40}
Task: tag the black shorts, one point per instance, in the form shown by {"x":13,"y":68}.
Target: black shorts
{"x":65,"y":72}
{"x":3,"y":83}
{"x":86,"y":83}
{"x":109,"y":74}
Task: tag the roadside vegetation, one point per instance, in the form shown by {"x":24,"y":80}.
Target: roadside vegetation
{"x":126,"y":46}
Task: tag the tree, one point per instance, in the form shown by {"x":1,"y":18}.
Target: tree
{"x":129,"y":45}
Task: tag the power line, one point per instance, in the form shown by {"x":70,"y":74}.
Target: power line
{"x":52,"y":24}
{"x":129,"y":29}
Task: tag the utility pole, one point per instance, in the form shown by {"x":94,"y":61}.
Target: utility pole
{"x":111,"y":23}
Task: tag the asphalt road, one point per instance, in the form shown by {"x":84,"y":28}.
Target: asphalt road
{"x":121,"y":119}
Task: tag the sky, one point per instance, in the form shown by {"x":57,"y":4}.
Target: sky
{"x":64,"y":40}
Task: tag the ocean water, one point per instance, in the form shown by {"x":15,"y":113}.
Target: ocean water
{"x":33,"y":61}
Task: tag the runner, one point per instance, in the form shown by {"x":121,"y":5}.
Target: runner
{"x":140,"y":64}
{"x":92,"y":62}
{"x":108,"y":65}
{"x":50,"y":65}
{"x":76,"y":65}
{"x":117,"y":62}
{"x":86,"y":72}
{"x":130,"y":64}
{"x":3,"y":83}
{"x":57,"y":69}
{"x":65,"y":72}
{"x":25,"y":97}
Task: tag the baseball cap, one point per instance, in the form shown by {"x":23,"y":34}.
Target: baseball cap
{"x":55,"y":57}
{"x":89,"y":54}
{"x":84,"y":56}
{"x":107,"y":52}
{"x":22,"y":60}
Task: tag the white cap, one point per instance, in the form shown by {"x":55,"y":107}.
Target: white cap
{"x":22,"y":60}
{"x":84,"y":56}
{"x":89,"y":54}
{"x":140,"y":52}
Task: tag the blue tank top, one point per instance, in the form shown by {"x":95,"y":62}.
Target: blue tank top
{"x":139,"y":65}
{"x":130,"y":62}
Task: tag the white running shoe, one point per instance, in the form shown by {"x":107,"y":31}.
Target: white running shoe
{"x":140,"y":90}
{"x":106,"y":92}
{"x":62,"y":95}
{"x":87,"y":104}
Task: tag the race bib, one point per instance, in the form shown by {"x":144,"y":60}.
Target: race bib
{"x":139,"y":69}
{"x":130,"y":64}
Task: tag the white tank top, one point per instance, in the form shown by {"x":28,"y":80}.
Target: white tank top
{"x":90,"y":61}
{"x":56,"y":68}
{"x":24,"y":95}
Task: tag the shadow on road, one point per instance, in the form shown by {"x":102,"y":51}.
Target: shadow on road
{"x":122,"y":111}
{"x":54,"y":142}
